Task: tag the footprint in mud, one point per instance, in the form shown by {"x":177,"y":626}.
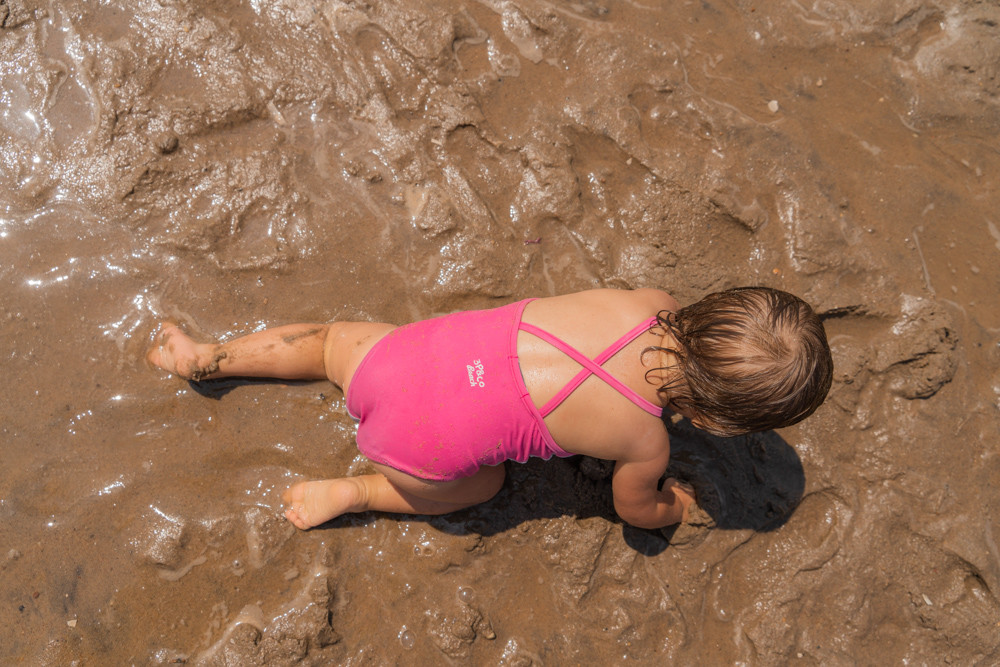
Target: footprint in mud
{"x":926,"y":357}
{"x":916,"y":354}
{"x":300,"y":628}
{"x":764,"y":567}
{"x":169,"y":542}
{"x":266,"y":534}
{"x":454,"y":631}
{"x":161,"y":539}
{"x":963,"y":604}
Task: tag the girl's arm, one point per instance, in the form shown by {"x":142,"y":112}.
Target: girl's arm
{"x":637,"y":499}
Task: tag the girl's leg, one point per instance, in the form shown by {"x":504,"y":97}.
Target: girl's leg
{"x":389,"y":490}
{"x":293,"y":352}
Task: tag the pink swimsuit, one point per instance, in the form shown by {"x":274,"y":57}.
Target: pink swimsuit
{"x":439,"y":398}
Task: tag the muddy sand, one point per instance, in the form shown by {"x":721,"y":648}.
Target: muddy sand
{"x":246,"y":164}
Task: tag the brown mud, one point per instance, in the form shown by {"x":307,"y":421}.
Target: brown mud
{"x":197,"y":374}
{"x":240,"y":165}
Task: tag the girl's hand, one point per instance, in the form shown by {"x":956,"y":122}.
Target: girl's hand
{"x":683,"y":494}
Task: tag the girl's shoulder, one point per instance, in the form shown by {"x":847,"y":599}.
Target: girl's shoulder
{"x":655,"y":298}
{"x":643,"y":300}
{"x":600,"y":308}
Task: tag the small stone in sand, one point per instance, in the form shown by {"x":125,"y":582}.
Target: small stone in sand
{"x":71,"y":622}
{"x":773,"y":106}
{"x":166,"y":142}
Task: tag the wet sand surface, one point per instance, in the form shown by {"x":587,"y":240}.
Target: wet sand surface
{"x":233,"y":166}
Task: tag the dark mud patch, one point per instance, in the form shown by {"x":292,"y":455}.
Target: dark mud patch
{"x":288,"y":340}
{"x":197,"y":374}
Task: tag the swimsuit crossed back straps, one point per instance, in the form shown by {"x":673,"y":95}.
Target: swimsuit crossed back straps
{"x":440,"y":398}
{"x":594,"y":367}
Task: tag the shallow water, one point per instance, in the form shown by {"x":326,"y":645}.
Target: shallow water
{"x":235,"y":167}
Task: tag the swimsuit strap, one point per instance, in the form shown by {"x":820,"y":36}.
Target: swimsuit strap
{"x":593,"y":367}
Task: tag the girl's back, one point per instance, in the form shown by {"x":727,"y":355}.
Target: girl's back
{"x":595,"y":418}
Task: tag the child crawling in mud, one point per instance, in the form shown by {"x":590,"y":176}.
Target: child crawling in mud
{"x":442,"y":403}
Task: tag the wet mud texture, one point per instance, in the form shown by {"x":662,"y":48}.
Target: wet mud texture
{"x":238,"y":165}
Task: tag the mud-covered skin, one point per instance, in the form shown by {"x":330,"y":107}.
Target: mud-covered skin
{"x":177,"y":353}
{"x":393,"y":161}
{"x":198,"y":374}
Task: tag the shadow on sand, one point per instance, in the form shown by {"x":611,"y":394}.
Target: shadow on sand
{"x":748,"y":482}
{"x":751,"y":482}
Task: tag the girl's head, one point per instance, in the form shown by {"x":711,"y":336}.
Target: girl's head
{"x":746,"y":359}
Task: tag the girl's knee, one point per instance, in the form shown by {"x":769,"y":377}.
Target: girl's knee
{"x":335,"y":352}
{"x":457,"y":494}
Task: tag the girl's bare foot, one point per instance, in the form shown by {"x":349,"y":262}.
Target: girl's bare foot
{"x":313,"y":503}
{"x":175,"y":352}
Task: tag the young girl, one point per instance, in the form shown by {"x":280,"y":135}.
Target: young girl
{"x":442,"y":403}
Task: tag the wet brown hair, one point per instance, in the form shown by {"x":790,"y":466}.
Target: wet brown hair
{"x":747,"y":359}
